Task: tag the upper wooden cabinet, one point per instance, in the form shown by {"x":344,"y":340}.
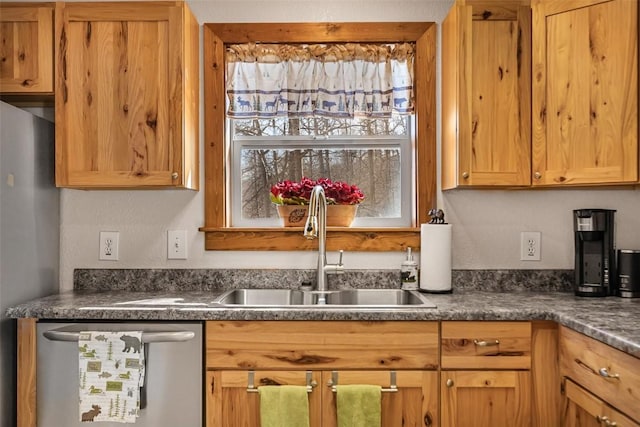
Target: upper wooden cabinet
{"x":486,"y":94}
{"x":585,"y":92}
{"x":26,"y":48}
{"x":127,"y":95}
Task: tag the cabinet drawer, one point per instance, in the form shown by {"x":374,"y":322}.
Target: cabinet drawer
{"x":580,"y":400}
{"x":324,"y":344}
{"x":486,"y":345}
{"x":588,"y":362}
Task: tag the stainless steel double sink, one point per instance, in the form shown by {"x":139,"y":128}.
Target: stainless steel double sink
{"x":347,"y":298}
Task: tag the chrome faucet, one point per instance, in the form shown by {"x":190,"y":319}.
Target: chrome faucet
{"x":316,"y":226}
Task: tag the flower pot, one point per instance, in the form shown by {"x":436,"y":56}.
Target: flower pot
{"x":293,"y":215}
{"x":337,"y":215}
{"x":341,"y":215}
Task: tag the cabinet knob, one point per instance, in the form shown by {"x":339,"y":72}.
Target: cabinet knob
{"x":449,"y":383}
{"x":537,"y":175}
{"x":174,"y":175}
{"x":465,"y":175}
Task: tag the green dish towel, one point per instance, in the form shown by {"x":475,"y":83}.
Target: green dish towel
{"x":359,"y":405}
{"x":284,"y":406}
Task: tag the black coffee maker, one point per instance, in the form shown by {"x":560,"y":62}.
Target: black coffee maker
{"x":595,"y":267}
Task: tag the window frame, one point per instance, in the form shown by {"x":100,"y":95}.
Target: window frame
{"x":218,"y":235}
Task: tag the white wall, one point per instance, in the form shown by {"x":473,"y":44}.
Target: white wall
{"x":487,"y":223}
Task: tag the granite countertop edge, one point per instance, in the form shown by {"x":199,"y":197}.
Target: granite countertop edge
{"x":609,"y":320}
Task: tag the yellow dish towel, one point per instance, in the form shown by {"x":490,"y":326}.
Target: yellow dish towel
{"x":284,"y":406}
{"x":359,"y":405}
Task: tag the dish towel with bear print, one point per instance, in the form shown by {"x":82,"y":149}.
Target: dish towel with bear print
{"x":111,"y":374}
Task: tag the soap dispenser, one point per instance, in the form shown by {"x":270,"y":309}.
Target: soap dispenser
{"x":409,"y":272}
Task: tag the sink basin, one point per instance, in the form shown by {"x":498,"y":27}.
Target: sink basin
{"x":378,"y":298}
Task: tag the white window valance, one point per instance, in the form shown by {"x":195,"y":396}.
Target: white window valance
{"x":345,"y":81}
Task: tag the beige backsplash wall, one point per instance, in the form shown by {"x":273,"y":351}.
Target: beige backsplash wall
{"x":487,"y":223}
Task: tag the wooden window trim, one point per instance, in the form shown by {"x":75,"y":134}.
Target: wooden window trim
{"x":218,"y":236}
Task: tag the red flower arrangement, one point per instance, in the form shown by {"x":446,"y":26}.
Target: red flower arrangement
{"x":298,"y":193}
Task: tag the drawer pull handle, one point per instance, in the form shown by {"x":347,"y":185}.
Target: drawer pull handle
{"x":449,"y":382}
{"x":607,"y":422}
{"x":605,"y":373}
{"x":484,"y":343}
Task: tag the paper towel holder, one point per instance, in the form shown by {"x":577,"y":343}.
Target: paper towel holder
{"x":435,"y":254}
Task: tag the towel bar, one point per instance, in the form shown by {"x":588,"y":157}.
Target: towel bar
{"x":393,"y":388}
{"x":251,"y":388}
{"x":147,"y":337}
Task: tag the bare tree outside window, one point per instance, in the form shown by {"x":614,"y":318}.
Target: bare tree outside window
{"x":360,"y":151}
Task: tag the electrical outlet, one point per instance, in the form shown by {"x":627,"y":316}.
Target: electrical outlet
{"x":177,"y":244}
{"x":109,"y":245}
{"x":530,"y":246}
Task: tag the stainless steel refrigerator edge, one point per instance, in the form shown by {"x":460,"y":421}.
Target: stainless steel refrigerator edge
{"x":29,"y":231}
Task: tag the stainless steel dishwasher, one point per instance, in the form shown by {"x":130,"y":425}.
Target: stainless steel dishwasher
{"x":172,"y":391}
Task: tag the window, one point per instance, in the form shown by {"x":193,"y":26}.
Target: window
{"x":222,"y":234}
{"x":374,"y":154}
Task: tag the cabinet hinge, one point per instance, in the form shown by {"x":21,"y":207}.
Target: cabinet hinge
{"x":213,"y":382}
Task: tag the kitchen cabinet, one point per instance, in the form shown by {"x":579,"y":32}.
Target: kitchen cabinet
{"x":486,"y":94}
{"x":230,"y":402}
{"x":609,"y":377}
{"x":583,"y":409}
{"x":127,"y":95}
{"x":585,"y":92}
{"x":242,"y":355}
{"x":486,"y":378}
{"x":26,"y":48}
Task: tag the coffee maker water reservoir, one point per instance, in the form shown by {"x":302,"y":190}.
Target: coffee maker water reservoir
{"x":595,"y":262}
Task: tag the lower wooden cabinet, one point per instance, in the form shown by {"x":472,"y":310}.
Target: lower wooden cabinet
{"x":583,"y":409}
{"x":414,"y":404}
{"x":400,"y":356}
{"x":448,"y":373}
{"x":232,"y":399}
{"x":599,"y":380}
{"x":486,"y":374}
{"x":485,"y":398}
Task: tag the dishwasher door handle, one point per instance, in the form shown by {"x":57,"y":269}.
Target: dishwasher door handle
{"x":147,"y":337}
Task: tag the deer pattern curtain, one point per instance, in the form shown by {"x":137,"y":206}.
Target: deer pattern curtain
{"x":342,"y":81}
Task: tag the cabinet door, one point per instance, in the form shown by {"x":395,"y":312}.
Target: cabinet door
{"x":229,"y":404}
{"x":414,"y":404}
{"x":583,"y":409}
{"x":119,"y":103}
{"x":486,"y":100}
{"x":610,"y":373}
{"x":485,"y":398}
{"x":585,"y":92}
{"x":26,"y":49}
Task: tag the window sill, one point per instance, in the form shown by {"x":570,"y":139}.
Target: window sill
{"x":291,"y":239}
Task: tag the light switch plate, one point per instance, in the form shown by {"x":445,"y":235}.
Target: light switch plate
{"x":177,"y":244}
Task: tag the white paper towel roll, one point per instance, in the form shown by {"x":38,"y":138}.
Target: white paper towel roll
{"x":435,"y":258}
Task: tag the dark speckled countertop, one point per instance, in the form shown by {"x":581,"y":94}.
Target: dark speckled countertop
{"x":612,"y":320}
